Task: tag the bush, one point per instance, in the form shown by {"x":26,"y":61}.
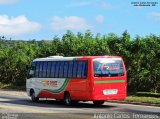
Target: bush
{"x":141,"y":56}
{"x":148,"y":94}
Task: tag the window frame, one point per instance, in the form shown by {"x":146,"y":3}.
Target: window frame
{"x":64,"y":67}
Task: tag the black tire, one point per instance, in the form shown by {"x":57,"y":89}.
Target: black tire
{"x":75,"y":102}
{"x":100,"y":102}
{"x":60,"y":100}
{"x":34,"y":98}
{"x":67,"y":99}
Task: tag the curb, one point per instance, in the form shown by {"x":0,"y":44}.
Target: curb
{"x":135,"y":103}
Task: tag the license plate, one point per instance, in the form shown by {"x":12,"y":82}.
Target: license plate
{"x":110,"y":92}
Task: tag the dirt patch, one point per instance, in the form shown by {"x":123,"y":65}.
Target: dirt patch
{"x":13,"y":92}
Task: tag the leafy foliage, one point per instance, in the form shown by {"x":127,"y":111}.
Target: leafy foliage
{"x":141,"y":55}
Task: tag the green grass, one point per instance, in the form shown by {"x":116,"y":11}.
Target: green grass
{"x":4,"y":85}
{"x":144,"y":97}
{"x":137,"y":99}
{"x":11,"y":86}
{"x":147,"y":94}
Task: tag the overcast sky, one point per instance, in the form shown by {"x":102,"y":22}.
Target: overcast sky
{"x":43,"y":19}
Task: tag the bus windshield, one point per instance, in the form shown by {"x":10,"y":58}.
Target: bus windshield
{"x":108,"y":67}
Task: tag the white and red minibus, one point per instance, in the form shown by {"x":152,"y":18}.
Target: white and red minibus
{"x":73,"y":79}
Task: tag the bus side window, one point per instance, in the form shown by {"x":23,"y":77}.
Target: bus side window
{"x":57,"y":70}
{"x":37,"y":69}
{"x":65,"y":71}
{"x":79,"y":70}
{"x":70,"y":69}
{"x":53,"y":69}
{"x":84,"y":69}
{"x":75,"y":66}
{"x":49,"y":64}
{"x":44,"y":69}
{"x":61,"y":68}
{"x":40,"y":69}
{"x":31,"y":72}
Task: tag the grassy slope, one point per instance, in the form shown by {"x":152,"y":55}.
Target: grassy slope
{"x":150,"y":100}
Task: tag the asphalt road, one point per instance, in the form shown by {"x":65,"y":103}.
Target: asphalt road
{"x":13,"y":106}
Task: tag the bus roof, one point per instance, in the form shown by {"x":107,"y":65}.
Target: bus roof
{"x":61,"y":58}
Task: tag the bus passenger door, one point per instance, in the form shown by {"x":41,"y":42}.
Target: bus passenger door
{"x":78,"y":84}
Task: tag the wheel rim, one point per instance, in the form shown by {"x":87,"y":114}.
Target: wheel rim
{"x":67,"y":99}
{"x":33,"y":97}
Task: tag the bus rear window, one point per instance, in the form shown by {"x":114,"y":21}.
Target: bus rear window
{"x":107,"y":67}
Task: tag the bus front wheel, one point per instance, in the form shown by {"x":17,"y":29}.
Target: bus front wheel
{"x":100,"y":102}
{"x":34,"y":98}
{"x":67,"y":99}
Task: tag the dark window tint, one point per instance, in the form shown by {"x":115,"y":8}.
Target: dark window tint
{"x":31,"y":71}
{"x":75,"y":67}
{"x":57,"y":70}
{"x":49,"y":64}
{"x":44,"y":72}
{"x":79,"y":69}
{"x":53,"y":65}
{"x":61,"y":68}
{"x":70,"y":69}
{"x":37,"y":69}
{"x":40,"y":69}
{"x":33,"y":64}
{"x":65,"y":71}
{"x":84,"y":69}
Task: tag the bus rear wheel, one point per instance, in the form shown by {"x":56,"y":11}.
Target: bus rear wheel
{"x":34,"y":98}
{"x":67,"y":99}
{"x":100,"y":102}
